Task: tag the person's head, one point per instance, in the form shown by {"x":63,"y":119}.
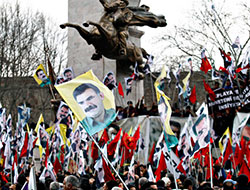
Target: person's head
{"x":242,"y":180}
{"x":162,"y":108}
{"x":110,"y":184}
{"x":54,"y":186}
{"x":41,"y":75}
{"x":68,"y":74}
{"x":216,"y":84}
{"x":142,"y":181}
{"x":59,"y":80}
{"x":228,"y":184}
{"x":63,"y":111}
{"x":90,"y":99}
{"x":188,"y":184}
{"x":130,"y":103}
{"x":229,"y":53}
{"x":176,"y":127}
{"x":70,"y":182}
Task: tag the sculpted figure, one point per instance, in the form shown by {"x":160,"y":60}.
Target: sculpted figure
{"x":110,"y":35}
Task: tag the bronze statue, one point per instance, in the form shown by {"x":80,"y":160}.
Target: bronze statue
{"x":109,"y":36}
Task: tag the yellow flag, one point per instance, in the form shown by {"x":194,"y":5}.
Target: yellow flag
{"x":40,"y":122}
{"x":185,"y":81}
{"x":224,"y":139}
{"x":90,"y":100}
{"x":165,"y":111}
{"x":40,"y":76}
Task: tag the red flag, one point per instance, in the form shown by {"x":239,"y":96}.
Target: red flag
{"x":57,"y":166}
{"x":180,"y":167}
{"x":228,"y":151}
{"x":205,"y":65}
{"x":244,"y":170}
{"x":224,"y":70}
{"x":104,"y":138}
{"x":25,"y":146}
{"x":120,"y":89}
{"x":94,"y":153}
{"x":238,"y":70}
{"x":151,"y":156}
{"x":112,"y":145}
{"x":210,"y":91}
{"x":47,"y":153}
{"x":107,"y":173}
{"x":34,"y":142}
{"x":15,"y":161}
{"x":162,"y":166}
{"x":62,"y":154}
{"x":192,"y":96}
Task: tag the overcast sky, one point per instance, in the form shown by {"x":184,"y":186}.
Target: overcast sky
{"x":176,"y":12}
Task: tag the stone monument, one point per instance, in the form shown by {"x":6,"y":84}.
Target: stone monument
{"x":107,"y":38}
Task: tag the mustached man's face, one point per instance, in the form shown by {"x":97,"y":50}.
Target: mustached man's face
{"x":41,"y":75}
{"x":91,"y":103}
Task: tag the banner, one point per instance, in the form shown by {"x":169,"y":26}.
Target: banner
{"x":229,"y":99}
{"x":90,"y":100}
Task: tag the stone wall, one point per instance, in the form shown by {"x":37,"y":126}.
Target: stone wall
{"x":15,"y":91}
{"x":170,"y":90}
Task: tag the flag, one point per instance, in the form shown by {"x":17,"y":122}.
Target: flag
{"x":215,"y":75}
{"x":47,"y":153}
{"x":224,"y":70}
{"x":120,"y":89}
{"x":23,"y":114}
{"x":192,"y":96}
{"x":99,"y":169}
{"x":151,"y":176}
{"x":205,"y":65}
{"x":151,"y":156}
{"x":107,"y":173}
{"x":41,"y":77}
{"x":225,"y":144}
{"x":128,"y":84}
{"x":165,"y":111}
{"x":201,"y":131}
{"x":25,"y":146}
{"x":90,"y":100}
{"x":236,"y":43}
{"x":57,"y":166}
{"x":39,"y":123}
{"x":131,"y":171}
{"x":32,"y":179}
{"x":104,"y":138}
{"x":211,"y":93}
{"x":162,"y":166}
{"x":186,"y":82}
{"x":52,"y":74}
{"x":113,"y":144}
{"x":110,"y":80}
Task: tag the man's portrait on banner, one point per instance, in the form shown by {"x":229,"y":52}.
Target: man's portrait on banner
{"x":90,"y":100}
{"x":162,"y":109}
{"x":41,"y":77}
{"x":201,"y":130}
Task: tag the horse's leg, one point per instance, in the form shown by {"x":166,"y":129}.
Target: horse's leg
{"x":83,"y":33}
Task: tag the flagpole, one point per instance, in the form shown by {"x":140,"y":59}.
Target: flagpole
{"x":210,"y":159}
{"x":107,"y":160}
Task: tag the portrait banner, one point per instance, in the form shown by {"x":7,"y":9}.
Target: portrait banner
{"x":40,"y":76}
{"x":90,"y":100}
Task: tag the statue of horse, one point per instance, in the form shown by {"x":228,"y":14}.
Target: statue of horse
{"x":109,"y":36}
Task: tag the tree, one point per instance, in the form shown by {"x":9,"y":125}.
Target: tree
{"x":212,"y":25}
{"x":26,"y":40}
